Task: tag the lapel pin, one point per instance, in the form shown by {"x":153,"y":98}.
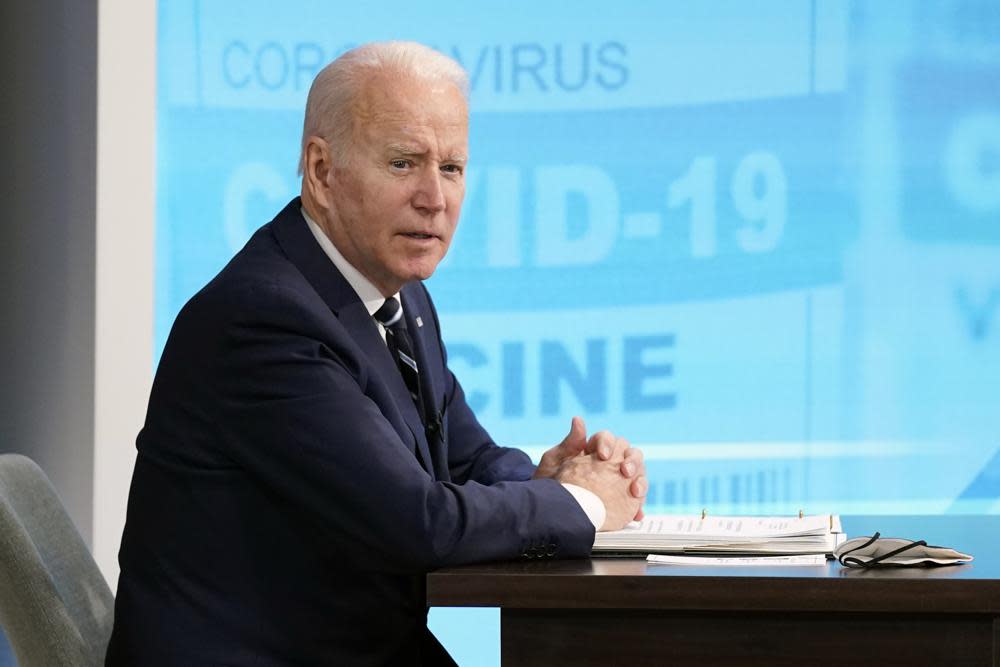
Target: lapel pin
{"x":420,"y":322}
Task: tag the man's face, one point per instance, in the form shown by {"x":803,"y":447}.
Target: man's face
{"x":394,"y":202}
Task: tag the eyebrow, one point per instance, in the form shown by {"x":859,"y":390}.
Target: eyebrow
{"x":410,"y":149}
{"x":405,"y":149}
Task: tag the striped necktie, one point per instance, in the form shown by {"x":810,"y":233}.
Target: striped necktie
{"x":390,"y":315}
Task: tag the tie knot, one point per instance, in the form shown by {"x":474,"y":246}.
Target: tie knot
{"x":390,"y":313}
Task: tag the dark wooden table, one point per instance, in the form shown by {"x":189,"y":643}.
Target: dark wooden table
{"x":624,"y":612}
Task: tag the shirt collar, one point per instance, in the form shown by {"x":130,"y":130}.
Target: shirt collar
{"x":367,"y":292}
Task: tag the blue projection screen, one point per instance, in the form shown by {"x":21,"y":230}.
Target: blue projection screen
{"x":759,"y":239}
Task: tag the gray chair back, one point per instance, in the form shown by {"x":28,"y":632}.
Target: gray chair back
{"x":55,"y":605}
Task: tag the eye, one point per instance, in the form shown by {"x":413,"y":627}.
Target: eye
{"x":400,"y":164}
{"x":451,"y":168}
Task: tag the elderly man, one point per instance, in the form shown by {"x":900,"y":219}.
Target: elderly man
{"x":307,"y":455}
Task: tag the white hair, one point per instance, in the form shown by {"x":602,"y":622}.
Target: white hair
{"x":330,"y":105}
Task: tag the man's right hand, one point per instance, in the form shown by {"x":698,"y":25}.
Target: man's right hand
{"x":604,"y":479}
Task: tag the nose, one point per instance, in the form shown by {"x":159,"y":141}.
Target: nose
{"x":429,"y":196}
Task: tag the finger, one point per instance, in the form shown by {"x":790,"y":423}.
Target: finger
{"x":635,"y":455}
{"x":605,"y":445}
{"x":621,"y":446}
{"x":633,"y":464}
{"x":576,"y":441}
{"x":599,"y":445}
{"x":639,"y":487}
{"x":573,"y":444}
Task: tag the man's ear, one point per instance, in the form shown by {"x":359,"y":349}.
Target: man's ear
{"x":315,"y":176}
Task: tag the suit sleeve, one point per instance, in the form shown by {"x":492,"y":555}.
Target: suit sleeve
{"x":295,"y":413}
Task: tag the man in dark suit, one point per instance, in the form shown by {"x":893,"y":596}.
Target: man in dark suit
{"x":307,"y":455}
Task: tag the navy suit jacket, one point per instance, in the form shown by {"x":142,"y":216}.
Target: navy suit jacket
{"x":286,"y":503}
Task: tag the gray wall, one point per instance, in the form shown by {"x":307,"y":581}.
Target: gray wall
{"x":47,"y":244}
{"x":47,"y":247}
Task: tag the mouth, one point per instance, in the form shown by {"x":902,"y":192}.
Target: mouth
{"x":419,"y":236}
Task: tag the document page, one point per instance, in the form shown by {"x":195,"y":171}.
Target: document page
{"x":813,"y":560}
{"x":733,"y":526}
{"x":814,"y":534}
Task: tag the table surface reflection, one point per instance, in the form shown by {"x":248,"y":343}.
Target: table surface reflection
{"x":632,"y":583}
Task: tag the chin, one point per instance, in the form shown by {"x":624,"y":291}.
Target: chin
{"x":424,"y":275}
{"x":423,"y":270}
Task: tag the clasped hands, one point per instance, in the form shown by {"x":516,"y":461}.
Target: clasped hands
{"x":604,"y":464}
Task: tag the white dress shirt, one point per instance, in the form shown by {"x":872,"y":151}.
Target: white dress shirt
{"x":373,"y":300}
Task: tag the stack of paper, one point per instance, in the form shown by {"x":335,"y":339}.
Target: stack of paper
{"x":748,"y":535}
{"x":811,"y":560}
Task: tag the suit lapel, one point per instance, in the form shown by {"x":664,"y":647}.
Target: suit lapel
{"x":436,"y":444}
{"x":365,"y":332}
{"x":298,"y":242}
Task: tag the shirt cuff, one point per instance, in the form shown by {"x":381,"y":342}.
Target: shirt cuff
{"x":590,"y":503}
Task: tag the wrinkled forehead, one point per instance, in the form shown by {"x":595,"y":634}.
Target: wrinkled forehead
{"x":387,"y":100}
